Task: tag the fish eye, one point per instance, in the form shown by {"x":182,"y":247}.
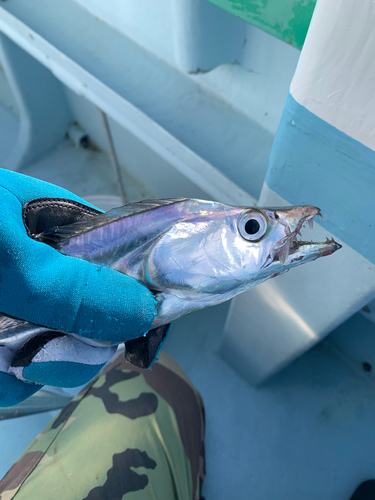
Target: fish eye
{"x":252,"y":225}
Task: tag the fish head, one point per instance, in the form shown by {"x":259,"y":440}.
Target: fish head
{"x":273,"y":234}
{"x":217,"y":249}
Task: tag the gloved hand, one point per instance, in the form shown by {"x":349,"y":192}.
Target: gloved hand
{"x":40,"y":285}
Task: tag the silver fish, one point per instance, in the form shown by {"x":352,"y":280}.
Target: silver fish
{"x":191,"y":253}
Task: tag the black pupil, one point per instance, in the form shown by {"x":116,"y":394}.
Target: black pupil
{"x":252,"y":226}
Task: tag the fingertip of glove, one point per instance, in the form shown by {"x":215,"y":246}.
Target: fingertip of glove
{"x":61,"y":373}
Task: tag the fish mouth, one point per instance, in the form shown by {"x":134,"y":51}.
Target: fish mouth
{"x":291,"y":250}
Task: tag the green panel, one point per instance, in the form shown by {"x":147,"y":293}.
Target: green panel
{"x":285,"y":19}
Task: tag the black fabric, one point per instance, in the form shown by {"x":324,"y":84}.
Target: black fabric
{"x":365,"y":491}
{"x":141,"y":352}
{"x":26,"y":353}
{"x":121,"y":478}
{"x":43,"y":214}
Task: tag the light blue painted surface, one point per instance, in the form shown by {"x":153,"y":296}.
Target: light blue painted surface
{"x":8,"y":133}
{"x":146,"y":22}
{"x":42,"y":108}
{"x":314,"y":163}
{"x":225,"y":137}
{"x":205,"y":36}
{"x":227,"y":116}
{"x":308,"y":433}
{"x":16,"y":435}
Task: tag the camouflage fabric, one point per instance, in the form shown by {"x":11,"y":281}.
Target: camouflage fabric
{"x":130,"y":434}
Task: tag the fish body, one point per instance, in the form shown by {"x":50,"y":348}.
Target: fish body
{"x":191,"y":253}
{"x":194,"y":253}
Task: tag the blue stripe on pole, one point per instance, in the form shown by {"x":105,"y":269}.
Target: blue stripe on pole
{"x":314,"y":163}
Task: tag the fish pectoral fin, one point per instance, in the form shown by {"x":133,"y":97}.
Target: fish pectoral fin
{"x":143,"y":351}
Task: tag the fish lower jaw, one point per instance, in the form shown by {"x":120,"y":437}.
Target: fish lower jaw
{"x":303,"y":251}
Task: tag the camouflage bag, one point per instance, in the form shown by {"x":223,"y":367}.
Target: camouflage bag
{"x":130,"y":434}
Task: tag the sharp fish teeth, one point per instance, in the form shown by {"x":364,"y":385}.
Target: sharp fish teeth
{"x":320,"y":216}
{"x":284,"y":253}
{"x":311,"y":223}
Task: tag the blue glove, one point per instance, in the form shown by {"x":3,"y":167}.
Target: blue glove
{"x":40,"y":285}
